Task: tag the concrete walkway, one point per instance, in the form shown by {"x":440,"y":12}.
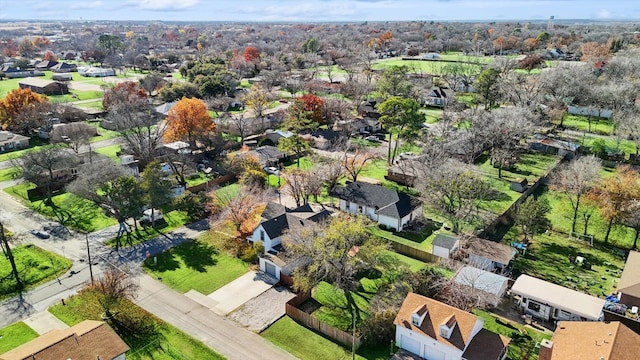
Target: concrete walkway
{"x":44,"y":321}
{"x":223,"y":335}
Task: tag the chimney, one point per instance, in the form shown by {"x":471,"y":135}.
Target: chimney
{"x":546,"y":349}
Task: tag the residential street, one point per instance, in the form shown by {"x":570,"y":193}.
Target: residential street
{"x":225,"y":336}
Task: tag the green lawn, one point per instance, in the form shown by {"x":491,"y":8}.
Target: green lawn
{"x":306,"y":344}
{"x":169,"y":343}
{"x":97,"y":104}
{"x":523,"y":339}
{"x":76,"y":95}
{"x":333,"y":303}
{"x":18,"y":153}
{"x":173,"y":219}
{"x":15,"y":335}
{"x":581,"y":123}
{"x":103,"y":134}
{"x":422,"y":241}
{"x":413,"y":264}
{"x":111,"y":152}
{"x":35,"y":266}
{"x":531,"y":167}
{"x":195,"y":265}
{"x":6,"y":85}
{"x":11,"y":173}
{"x":432,"y":116}
{"x":627,"y":146}
{"x":428,"y":67}
{"x":198,"y":178}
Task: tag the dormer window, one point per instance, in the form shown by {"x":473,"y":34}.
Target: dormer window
{"x":446,"y":328}
{"x":418,"y":315}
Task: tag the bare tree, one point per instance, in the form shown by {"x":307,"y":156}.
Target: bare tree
{"x":456,"y":190}
{"x":74,"y":135}
{"x":355,"y":163}
{"x":112,"y":288}
{"x":331,"y":171}
{"x":575,"y":179}
{"x":42,"y":167}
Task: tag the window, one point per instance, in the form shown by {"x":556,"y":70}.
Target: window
{"x":534,"y":306}
{"x":261,"y":235}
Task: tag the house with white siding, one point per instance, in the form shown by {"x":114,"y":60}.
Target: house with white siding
{"x":380,"y":204}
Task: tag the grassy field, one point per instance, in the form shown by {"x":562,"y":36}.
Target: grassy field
{"x":6,"y":85}
{"x":198,"y":178}
{"x":35,"y":266}
{"x":428,"y":67}
{"x":333,"y":303}
{"x":76,"y":95}
{"x":531,"y":167}
{"x":306,"y":344}
{"x":111,"y":152}
{"x":432,"y":116}
{"x":103,"y":134}
{"x":76,"y":212}
{"x":627,"y":146}
{"x":523,"y":339}
{"x":195,"y":265}
{"x":11,"y":173}
{"x":581,"y":123}
{"x":97,"y":104}
{"x":18,"y":153}
{"x":422,"y":241}
{"x":169,"y":342}
{"x":15,"y":335}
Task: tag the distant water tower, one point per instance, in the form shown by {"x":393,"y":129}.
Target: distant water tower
{"x":550,"y":23}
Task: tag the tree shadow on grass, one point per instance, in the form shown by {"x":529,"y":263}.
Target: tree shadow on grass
{"x":166,"y":262}
{"x":197,"y":255}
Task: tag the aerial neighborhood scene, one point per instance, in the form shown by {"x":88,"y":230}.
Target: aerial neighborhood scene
{"x":398,"y":179}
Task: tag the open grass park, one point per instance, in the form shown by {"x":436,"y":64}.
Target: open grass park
{"x":164,"y":343}
{"x":35,"y":266}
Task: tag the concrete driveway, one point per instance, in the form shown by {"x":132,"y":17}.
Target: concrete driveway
{"x":44,"y":322}
{"x":236,"y":293}
{"x":263,"y":310}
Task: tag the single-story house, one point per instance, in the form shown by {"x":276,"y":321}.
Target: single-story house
{"x":444,"y":245}
{"x":96,"y":72}
{"x":519,"y":185}
{"x":549,"y":145}
{"x":276,"y":135}
{"x":10,"y":141}
{"x":437,"y":331}
{"x":489,"y":255}
{"x":268,"y":155}
{"x":549,"y":301}
{"x":369,"y":109}
{"x":589,"y":111}
{"x":42,"y":86}
{"x":385,"y":206}
{"x":177,"y":147}
{"x":13,"y":72}
{"x":62,"y":77}
{"x":45,"y":64}
{"x":164,"y":108}
{"x":490,"y":286}
{"x":322,"y":139}
{"x":64,"y":67}
{"x":87,"y":340}
{"x":629,"y":284}
{"x":591,"y":340}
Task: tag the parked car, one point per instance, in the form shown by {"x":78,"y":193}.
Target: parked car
{"x":372,"y":138}
{"x":40,"y":234}
{"x":272,"y":170}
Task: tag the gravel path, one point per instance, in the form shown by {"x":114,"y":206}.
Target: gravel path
{"x":260,"y":312}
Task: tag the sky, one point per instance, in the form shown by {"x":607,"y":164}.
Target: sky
{"x":318,"y":10}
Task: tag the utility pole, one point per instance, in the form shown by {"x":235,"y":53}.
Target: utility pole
{"x":86,"y":237}
{"x":353,"y":336}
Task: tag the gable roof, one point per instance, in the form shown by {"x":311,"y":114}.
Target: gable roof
{"x":486,"y":345}
{"x":481,"y":280}
{"x":594,"y":340}
{"x":445,"y":241}
{"x":300,"y":216}
{"x":37,"y":82}
{"x":577,"y":303}
{"x":385,"y":201}
{"x":437,"y":313}
{"x":273,"y":210}
{"x":491,"y":250}
{"x":629,"y":281}
{"x":6,"y":136}
{"x":86,"y":340}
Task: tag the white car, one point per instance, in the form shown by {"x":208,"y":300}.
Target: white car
{"x":272,"y":170}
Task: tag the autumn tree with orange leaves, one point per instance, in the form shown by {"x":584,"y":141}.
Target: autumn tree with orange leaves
{"x":251,"y":54}
{"x":593,"y":50}
{"x":188,"y":121}
{"x":50,"y":56}
{"x":14,"y":104}
{"x":617,"y":196}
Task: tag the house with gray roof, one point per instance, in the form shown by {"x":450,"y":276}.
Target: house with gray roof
{"x":489,"y":286}
{"x":444,"y":245}
{"x":385,"y":206}
{"x":10,"y":141}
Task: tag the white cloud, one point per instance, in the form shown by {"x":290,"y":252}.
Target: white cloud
{"x":163,"y":4}
{"x":86,"y":5}
{"x":603,"y":14}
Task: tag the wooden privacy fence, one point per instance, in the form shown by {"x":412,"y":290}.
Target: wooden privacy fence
{"x":414,"y":253}
{"x":212,"y":183}
{"x":291,"y":309}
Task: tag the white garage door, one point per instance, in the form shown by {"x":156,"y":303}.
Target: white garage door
{"x":270,"y":269}
{"x":433,"y":354}
{"x":410,"y":345}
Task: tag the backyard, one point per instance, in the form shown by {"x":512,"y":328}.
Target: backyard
{"x":35,"y":266}
{"x":164,"y":342}
{"x":433,"y":67}
{"x":195,"y":265}
{"x":583,"y":123}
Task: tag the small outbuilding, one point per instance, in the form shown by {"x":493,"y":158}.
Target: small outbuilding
{"x":490,"y":286}
{"x":444,"y":245}
{"x":519,"y":185}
